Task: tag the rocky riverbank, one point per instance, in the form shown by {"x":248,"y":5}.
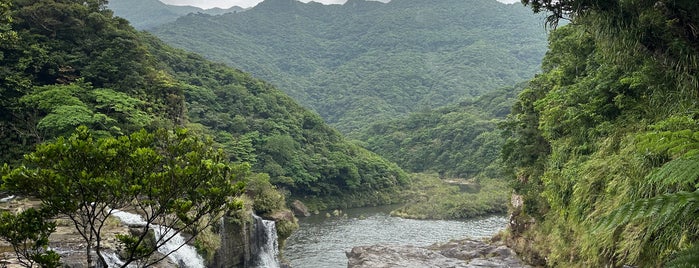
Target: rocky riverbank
{"x":457,"y":254}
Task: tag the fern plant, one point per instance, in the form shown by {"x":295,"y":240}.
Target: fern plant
{"x":685,"y":259}
{"x":666,"y":205}
{"x":663,"y":213}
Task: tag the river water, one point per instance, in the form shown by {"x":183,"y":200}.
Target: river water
{"x":321,"y":242}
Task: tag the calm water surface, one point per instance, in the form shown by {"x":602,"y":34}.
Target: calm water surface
{"x":321,"y":242}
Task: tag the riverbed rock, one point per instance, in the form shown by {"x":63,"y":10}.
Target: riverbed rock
{"x":457,"y":254}
{"x":300,"y":209}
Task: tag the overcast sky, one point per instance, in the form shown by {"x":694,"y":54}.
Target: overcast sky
{"x":206,"y":4}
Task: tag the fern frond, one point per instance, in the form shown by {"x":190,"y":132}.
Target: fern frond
{"x":682,"y":172}
{"x":675,"y":143}
{"x":685,"y":259}
{"x":666,"y":209}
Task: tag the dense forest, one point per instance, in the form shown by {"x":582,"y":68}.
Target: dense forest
{"x":66,"y":64}
{"x":457,"y":141}
{"x":367,"y":61}
{"x":603,"y":144}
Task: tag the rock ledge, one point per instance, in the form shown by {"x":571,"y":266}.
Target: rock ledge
{"x":457,"y":254}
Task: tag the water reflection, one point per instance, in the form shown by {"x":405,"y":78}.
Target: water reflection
{"x":322,"y":241}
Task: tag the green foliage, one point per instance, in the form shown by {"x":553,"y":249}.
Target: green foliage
{"x":92,"y":64}
{"x":28,"y":233}
{"x":667,"y":209}
{"x":61,"y":108}
{"x":173,"y":179}
{"x":685,"y":259}
{"x":301,"y":154}
{"x":264,"y":195}
{"x":604,"y":142}
{"x":73,"y":63}
{"x":432,"y":198}
{"x":6,"y":33}
{"x":366,"y":61}
{"x":455,"y":141}
{"x":207,"y":243}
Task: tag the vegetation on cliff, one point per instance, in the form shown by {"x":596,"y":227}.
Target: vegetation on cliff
{"x":603,"y":144}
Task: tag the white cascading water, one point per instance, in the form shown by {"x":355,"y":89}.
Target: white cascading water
{"x":185,"y":256}
{"x":265,"y":241}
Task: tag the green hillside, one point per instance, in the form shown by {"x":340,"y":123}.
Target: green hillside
{"x":366,"y":61}
{"x":147,"y":14}
{"x":461,"y":140}
{"x":69,"y":63}
{"x":603,"y":146}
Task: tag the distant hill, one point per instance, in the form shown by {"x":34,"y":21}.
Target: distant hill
{"x":146,"y":14}
{"x":366,"y":61}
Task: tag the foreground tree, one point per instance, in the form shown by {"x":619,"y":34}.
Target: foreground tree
{"x":172,"y":179}
{"x":28,"y":234}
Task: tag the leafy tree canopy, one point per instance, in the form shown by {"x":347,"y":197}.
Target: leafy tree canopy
{"x":174,"y":180}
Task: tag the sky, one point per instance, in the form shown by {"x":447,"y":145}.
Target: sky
{"x":206,"y":4}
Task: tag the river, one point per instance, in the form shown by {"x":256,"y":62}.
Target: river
{"x":321,"y":241}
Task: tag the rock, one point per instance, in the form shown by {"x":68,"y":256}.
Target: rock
{"x":384,"y":256}
{"x":279,"y":215}
{"x":300,"y":209}
{"x":457,"y":254}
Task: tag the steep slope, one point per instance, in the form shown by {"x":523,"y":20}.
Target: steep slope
{"x":367,"y":61}
{"x":604,"y":144}
{"x":74,"y":64}
{"x":147,"y":14}
{"x":264,"y":126}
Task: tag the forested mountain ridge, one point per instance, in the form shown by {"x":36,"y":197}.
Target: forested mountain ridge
{"x":75,"y":64}
{"x":146,"y":14}
{"x":603,"y":144}
{"x":367,"y":61}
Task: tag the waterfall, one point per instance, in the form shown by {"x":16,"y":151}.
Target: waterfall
{"x":113,"y":260}
{"x":264,"y":245}
{"x":185,"y":256}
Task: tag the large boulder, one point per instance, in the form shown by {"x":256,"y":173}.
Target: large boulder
{"x":300,"y":209}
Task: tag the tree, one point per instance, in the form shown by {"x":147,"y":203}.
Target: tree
{"x":171,"y":178}
{"x":5,"y":20}
{"x":28,"y":234}
{"x":56,"y":110}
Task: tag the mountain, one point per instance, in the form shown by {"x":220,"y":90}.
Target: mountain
{"x":74,"y":64}
{"x":146,"y":14}
{"x":366,"y":61}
